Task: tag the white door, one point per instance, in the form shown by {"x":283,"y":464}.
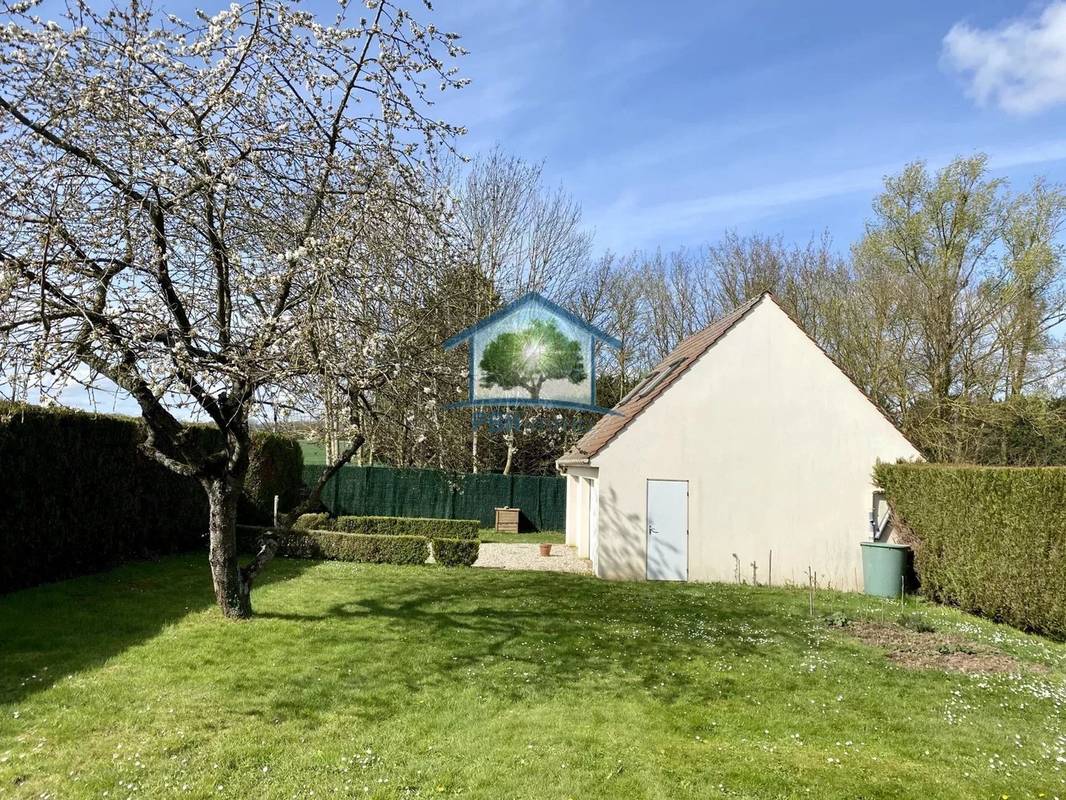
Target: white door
{"x":594,"y":522}
{"x":667,"y":530}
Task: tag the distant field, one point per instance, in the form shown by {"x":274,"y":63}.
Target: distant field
{"x":314,"y":452}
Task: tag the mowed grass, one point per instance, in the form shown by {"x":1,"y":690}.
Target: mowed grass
{"x":532,"y":537}
{"x":377,"y":681}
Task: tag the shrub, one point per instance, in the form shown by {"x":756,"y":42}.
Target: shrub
{"x":991,"y":540}
{"x":333,"y":546}
{"x":78,"y":496}
{"x":916,"y":623}
{"x":313,"y":522}
{"x":455,"y":552}
{"x":409,"y":526}
{"x":275,"y":468}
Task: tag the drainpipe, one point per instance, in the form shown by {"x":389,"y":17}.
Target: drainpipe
{"x":877,"y":523}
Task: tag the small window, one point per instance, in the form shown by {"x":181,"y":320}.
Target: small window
{"x":633,"y":392}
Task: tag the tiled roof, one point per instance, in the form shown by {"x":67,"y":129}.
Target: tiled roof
{"x":682,"y":357}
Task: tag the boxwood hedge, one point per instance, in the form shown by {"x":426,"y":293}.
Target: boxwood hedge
{"x":455,"y":552}
{"x":313,"y":522}
{"x":392,"y":526}
{"x":991,"y":540}
{"x":334,"y":546}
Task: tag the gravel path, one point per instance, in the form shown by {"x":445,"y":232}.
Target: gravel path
{"x":527,"y":556}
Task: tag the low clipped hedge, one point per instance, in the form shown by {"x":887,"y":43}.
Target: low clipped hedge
{"x":391,"y":526}
{"x":456,"y":552}
{"x":313,"y":522}
{"x":334,"y":546}
{"x":991,"y":540}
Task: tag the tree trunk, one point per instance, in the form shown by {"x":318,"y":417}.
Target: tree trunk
{"x":313,"y":501}
{"x":232,"y":592}
{"x":510,"y":455}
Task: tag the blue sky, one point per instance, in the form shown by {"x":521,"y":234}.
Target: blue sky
{"x":672,"y":123}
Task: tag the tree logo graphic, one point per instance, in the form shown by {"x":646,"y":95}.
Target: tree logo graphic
{"x":531,"y":353}
{"x":528,"y":357}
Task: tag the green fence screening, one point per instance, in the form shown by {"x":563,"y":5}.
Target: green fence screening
{"x":392,"y":492}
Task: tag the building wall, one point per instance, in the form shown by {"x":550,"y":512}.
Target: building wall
{"x":573,"y":486}
{"x":778,"y":447}
{"x":578,"y":490}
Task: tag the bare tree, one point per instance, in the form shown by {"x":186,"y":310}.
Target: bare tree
{"x":179,"y":197}
{"x":520,"y":234}
{"x":609,"y":296}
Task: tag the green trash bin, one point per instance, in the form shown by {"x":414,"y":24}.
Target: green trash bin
{"x":884,"y":566}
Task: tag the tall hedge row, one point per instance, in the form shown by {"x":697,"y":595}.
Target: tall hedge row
{"x":276,"y":467}
{"x":77,"y":495}
{"x":991,"y":540}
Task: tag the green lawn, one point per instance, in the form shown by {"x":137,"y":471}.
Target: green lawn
{"x":377,"y":681}
{"x":535,"y":537}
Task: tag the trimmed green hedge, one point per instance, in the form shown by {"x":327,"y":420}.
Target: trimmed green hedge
{"x":78,"y":496}
{"x":334,"y":546}
{"x":391,"y":526}
{"x":455,"y":552}
{"x":313,"y":522}
{"x":390,"y":548}
{"x":991,"y":540}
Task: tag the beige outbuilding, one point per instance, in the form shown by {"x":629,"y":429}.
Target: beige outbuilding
{"x":745,"y":453}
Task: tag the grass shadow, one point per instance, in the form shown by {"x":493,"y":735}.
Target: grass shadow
{"x":565,"y":628}
{"x":58,"y":629}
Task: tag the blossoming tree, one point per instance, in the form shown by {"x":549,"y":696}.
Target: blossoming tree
{"x":190,"y":209}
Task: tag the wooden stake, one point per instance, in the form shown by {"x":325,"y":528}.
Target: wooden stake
{"x":770,"y":570}
{"x":810,"y":586}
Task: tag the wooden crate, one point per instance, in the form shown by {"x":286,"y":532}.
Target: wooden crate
{"x":507,"y":520}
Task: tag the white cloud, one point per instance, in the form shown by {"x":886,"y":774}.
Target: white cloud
{"x":1020,"y":66}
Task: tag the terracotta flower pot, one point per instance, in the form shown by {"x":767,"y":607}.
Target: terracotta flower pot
{"x":545,"y":549}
